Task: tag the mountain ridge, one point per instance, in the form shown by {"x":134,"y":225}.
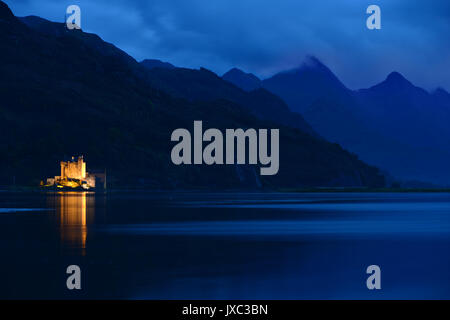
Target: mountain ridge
{"x":393,"y":124}
{"x":203,"y":84}
{"x":196,"y":84}
{"x":63,"y":96}
{"x":243,"y":80}
{"x":154,"y":63}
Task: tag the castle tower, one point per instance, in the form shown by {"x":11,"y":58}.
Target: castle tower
{"x":73,"y":169}
{"x":81,"y":167}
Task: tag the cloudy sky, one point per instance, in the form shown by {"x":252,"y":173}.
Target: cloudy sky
{"x":267,"y":36}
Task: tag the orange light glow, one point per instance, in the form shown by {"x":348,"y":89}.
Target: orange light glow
{"x":74,"y":210}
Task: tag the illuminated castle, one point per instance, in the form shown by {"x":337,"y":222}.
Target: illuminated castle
{"x":74,"y":175}
{"x":74,"y":169}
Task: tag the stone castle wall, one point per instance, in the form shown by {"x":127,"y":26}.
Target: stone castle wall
{"x":73,"y":169}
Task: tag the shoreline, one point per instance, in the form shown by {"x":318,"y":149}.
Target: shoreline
{"x":25,"y":189}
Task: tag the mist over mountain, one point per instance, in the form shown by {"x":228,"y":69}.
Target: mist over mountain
{"x":306,"y":84}
{"x":70,"y":93}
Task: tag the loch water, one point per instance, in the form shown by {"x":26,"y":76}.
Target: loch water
{"x":196,"y":245}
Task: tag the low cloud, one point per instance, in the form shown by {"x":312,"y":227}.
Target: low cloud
{"x":266,"y":36}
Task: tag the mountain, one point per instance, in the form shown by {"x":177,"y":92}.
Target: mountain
{"x":70,"y":93}
{"x":404,"y":110}
{"x":153,"y":63}
{"x":205,"y":85}
{"x":196,"y":84}
{"x":56,"y":29}
{"x":303,"y":86}
{"x":409,"y":115}
{"x":87,"y":40}
{"x":441,"y":97}
{"x":245,"y":81}
{"x":394,"y":125}
{"x":326,"y":104}
{"x":5,"y":13}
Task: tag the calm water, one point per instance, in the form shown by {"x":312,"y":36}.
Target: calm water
{"x":225,"y":246}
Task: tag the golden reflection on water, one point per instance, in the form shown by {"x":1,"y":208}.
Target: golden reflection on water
{"x":75,"y":211}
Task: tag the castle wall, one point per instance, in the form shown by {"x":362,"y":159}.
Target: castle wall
{"x":91,"y":181}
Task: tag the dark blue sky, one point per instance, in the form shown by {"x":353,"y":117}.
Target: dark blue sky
{"x":266,"y":36}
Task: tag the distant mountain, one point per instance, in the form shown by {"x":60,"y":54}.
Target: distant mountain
{"x":411,"y":116}
{"x":245,"y":81}
{"x":205,"y":85}
{"x":395,"y":125}
{"x":70,"y":93}
{"x":402,"y":109}
{"x":153,"y":63}
{"x":305,"y":85}
{"x":441,"y":97}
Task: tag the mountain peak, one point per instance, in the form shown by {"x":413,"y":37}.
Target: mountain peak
{"x":243,"y":80}
{"x":5,"y":12}
{"x":313,"y":66}
{"x":235,"y":70}
{"x":441,"y":96}
{"x":396,"y":76}
{"x":394,"y":81}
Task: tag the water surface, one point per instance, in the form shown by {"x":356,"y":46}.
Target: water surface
{"x":225,"y":245}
